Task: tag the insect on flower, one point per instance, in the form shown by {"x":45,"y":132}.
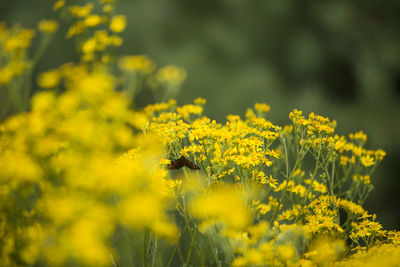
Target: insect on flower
{"x":182,"y":162}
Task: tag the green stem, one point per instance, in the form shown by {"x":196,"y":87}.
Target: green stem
{"x":214,"y":251}
{"x":288,"y":176}
{"x":5,"y":103}
{"x":331,"y":178}
{"x":176,"y":247}
{"x":190,"y":248}
{"x":144,"y":259}
{"x":154,"y":252}
{"x":308,"y":190}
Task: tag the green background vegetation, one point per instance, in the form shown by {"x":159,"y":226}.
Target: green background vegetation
{"x":339,"y":59}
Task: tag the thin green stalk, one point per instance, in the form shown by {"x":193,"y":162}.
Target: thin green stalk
{"x":288,"y":176}
{"x":36,"y":57}
{"x":308,"y":190}
{"x":144,"y":259}
{"x":190,"y":248}
{"x":176,"y":247}
{"x":128,"y":246}
{"x":6,"y":104}
{"x":192,"y":237}
{"x":154,"y":252}
{"x":331,"y":179}
{"x":213,"y":249}
{"x":125,"y":234}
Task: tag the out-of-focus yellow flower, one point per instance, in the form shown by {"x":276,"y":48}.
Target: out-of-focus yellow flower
{"x":200,"y":101}
{"x":18,"y":39}
{"x":380,"y":255}
{"x":48,"y":26}
{"x":10,"y":164}
{"x":35,"y":235}
{"x":326,"y":250}
{"x":165,"y":161}
{"x":146,"y":211}
{"x":115,"y":40}
{"x":287,"y":253}
{"x":49,"y":79}
{"x":223,"y":205}
{"x":81,"y":11}
{"x":6,"y":74}
{"x":262,"y":107}
{"x":139,"y":63}
{"x":76,"y":29}
{"x":108,"y":8}
{"x":186,"y":110}
{"x":171,"y":74}
{"x":43,"y":102}
{"x":118,"y":23}
{"x":93,"y":20}
{"x":89,"y":46}
{"x":360,"y":135}
{"x":95,"y":86}
{"x":59,"y":4}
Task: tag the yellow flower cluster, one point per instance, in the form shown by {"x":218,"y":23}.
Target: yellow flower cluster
{"x":48,"y":26}
{"x":245,"y":153}
{"x":89,"y":23}
{"x":140,"y":63}
{"x":14,"y":43}
{"x":77,"y":184}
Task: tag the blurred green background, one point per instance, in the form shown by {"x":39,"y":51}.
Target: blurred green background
{"x":339,"y":59}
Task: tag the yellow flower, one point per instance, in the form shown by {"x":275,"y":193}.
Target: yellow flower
{"x":59,"y":4}
{"x":360,"y":135}
{"x":48,"y":26}
{"x":262,"y":107}
{"x":326,"y":250}
{"x":92,"y":20}
{"x":165,"y":161}
{"x":380,"y":154}
{"x":367,"y":160}
{"x":115,"y":40}
{"x":89,"y":46}
{"x":81,"y":11}
{"x":200,"y":101}
{"x":118,"y":23}
{"x":171,"y":74}
{"x":140,"y":63}
{"x":107,"y":8}
{"x":263,"y":208}
{"x":18,"y":39}
{"x":49,"y":79}
{"x":224,"y":205}
{"x":319,"y":187}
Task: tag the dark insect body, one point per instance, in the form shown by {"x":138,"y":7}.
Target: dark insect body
{"x":182,"y":162}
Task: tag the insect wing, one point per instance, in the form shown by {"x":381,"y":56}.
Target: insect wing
{"x":190,"y":164}
{"x":181,"y":162}
{"x":176,"y":164}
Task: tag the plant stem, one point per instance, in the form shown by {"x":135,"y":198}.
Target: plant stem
{"x":144,"y":260}
{"x":309,"y":188}
{"x":154,"y":251}
{"x":190,"y":248}
{"x":176,"y":247}
{"x":288,"y":176}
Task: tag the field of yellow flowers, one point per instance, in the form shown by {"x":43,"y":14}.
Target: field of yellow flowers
{"x":87,"y":179}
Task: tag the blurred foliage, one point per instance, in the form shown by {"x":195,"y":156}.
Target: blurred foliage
{"x":337,"y":58}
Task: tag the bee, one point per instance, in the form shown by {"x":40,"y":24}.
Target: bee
{"x":182,"y":162}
